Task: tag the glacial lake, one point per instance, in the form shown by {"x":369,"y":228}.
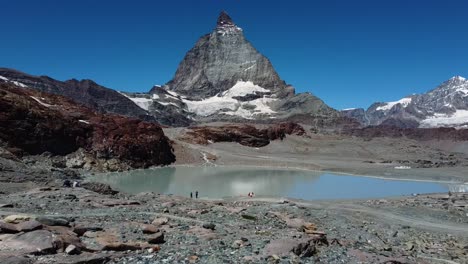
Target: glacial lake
{"x":219,"y":182}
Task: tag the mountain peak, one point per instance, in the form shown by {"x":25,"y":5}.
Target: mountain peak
{"x":458,"y":78}
{"x":224,"y":19}
{"x":225,"y":24}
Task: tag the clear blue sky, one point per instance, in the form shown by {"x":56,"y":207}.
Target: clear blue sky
{"x":349,"y":53}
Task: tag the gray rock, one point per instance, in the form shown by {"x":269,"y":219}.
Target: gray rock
{"x":52,"y":221}
{"x":38,"y":241}
{"x":8,"y":228}
{"x":209,"y":226}
{"x":28,"y":226}
{"x":157,"y":238}
{"x":72,"y":250}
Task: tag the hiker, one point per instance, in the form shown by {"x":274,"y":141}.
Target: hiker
{"x":196,"y":194}
{"x":76,"y":184}
{"x":191,"y":195}
{"x":67,"y":183}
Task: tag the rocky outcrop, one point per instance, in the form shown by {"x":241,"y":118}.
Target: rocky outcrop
{"x":246,"y":135}
{"x":85,"y":92}
{"x":34,"y":122}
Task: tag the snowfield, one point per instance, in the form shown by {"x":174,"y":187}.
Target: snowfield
{"x":389,"y":105}
{"x":230,"y":106}
{"x":438,"y":120}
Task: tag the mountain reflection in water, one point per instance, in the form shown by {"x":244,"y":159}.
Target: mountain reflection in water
{"x":218,"y":182}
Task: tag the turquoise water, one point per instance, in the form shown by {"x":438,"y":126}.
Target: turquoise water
{"x":218,"y":182}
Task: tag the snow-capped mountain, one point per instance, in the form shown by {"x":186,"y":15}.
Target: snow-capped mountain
{"x":223,"y":77}
{"x":444,"y":106}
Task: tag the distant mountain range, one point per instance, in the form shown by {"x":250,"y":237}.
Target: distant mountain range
{"x":444,"y":106}
{"x":224,"y":78}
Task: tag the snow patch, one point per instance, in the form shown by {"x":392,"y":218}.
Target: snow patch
{"x":225,"y":102}
{"x":4,"y":78}
{"x":40,"y":102}
{"x":438,"y":119}
{"x":348,"y":109}
{"x":404,"y":102}
{"x":83,"y":121}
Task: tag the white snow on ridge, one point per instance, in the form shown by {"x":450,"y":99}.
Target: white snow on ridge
{"x":459,"y":117}
{"x":389,"y":105}
{"x":348,"y":109}
{"x":14,"y":82}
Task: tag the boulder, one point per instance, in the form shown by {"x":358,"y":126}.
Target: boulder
{"x":8,"y":228}
{"x":157,"y":238}
{"x":72,"y":250}
{"x":150,"y":229}
{"x":14,"y":219}
{"x":81,"y":230}
{"x":209,"y":226}
{"x":28,"y":226}
{"x":160,"y":221}
{"x":52,"y":221}
{"x":38,"y":241}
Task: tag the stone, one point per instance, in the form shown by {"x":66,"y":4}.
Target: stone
{"x":193,"y":259}
{"x":157,"y":238}
{"x":6,"y":205}
{"x":8,"y":228}
{"x":150,"y":229}
{"x":28,"y":226}
{"x":72,"y":250}
{"x":160,"y":221}
{"x":14,"y":219}
{"x":305,"y":250}
{"x":308,"y":228}
{"x":249,"y":217}
{"x":81,"y":230}
{"x":38,"y":241}
{"x":52,"y":221}
{"x":121,"y":247}
{"x":209,"y":226}
{"x":236,"y":244}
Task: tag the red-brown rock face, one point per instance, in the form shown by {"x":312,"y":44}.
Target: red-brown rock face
{"x":246,"y":135}
{"x":35,"y":122}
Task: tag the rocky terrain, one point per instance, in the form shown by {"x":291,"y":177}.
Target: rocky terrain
{"x":77,"y":225}
{"x":444,"y":106}
{"x":35,"y":123}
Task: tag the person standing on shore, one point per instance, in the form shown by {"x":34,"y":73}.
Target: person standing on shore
{"x":196,"y":194}
{"x":191,"y":195}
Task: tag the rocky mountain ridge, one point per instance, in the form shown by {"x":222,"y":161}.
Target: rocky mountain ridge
{"x":444,"y":106}
{"x":224,"y":78}
{"x":34,"y":123}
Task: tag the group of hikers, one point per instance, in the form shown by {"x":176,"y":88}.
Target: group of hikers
{"x":196,"y":194}
{"x":251,"y":194}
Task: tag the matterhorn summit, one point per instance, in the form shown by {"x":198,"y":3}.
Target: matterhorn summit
{"x":224,"y":78}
